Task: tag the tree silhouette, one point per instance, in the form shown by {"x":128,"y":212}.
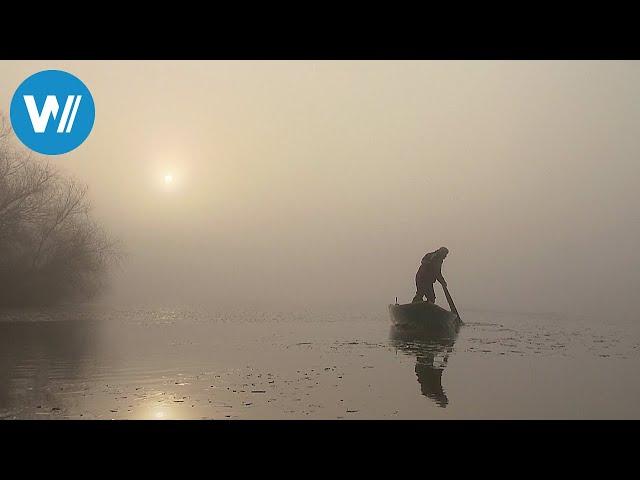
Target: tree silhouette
{"x":51,"y":250}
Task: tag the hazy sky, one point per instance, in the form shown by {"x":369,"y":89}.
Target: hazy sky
{"x":324,"y":183}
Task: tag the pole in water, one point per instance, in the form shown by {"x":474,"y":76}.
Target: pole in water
{"x":450,"y":301}
{"x":396,"y":300}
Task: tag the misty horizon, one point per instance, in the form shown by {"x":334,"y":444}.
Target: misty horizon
{"x":320,"y":184}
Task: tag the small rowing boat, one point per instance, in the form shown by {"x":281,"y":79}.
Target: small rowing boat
{"x":424,"y":316}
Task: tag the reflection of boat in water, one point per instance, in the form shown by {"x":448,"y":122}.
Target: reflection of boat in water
{"x":432,"y":353}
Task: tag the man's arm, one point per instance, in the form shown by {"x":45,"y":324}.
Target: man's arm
{"x":440,"y":278}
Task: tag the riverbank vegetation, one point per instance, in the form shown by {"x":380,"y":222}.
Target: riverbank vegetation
{"x":51,"y":250}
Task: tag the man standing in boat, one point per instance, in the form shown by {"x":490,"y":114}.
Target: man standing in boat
{"x":430,"y":270}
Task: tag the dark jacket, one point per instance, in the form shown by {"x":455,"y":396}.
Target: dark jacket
{"x":430,"y":270}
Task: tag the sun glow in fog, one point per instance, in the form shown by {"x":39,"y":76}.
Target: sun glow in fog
{"x":168,"y":179}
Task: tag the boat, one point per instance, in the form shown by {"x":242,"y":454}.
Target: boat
{"x":425,"y":317}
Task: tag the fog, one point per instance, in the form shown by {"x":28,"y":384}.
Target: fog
{"x":322,"y":184}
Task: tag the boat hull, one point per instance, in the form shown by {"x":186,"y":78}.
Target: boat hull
{"x":425,"y":317}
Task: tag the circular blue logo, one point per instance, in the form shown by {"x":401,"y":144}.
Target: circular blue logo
{"x":52,"y":112}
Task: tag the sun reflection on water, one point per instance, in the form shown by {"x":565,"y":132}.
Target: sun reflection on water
{"x":160,"y":411}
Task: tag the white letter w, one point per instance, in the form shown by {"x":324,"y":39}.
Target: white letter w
{"x":51,"y":107}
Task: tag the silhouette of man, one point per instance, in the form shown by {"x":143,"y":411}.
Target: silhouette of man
{"x":430,"y":270}
{"x":430,"y":379}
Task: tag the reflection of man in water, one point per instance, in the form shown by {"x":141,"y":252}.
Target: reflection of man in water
{"x":430,"y":270}
{"x":430,"y":379}
{"x":432,"y":354}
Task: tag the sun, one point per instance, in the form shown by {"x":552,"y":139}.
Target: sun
{"x":168,"y":179}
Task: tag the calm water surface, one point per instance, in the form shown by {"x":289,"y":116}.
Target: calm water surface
{"x":88,"y":363}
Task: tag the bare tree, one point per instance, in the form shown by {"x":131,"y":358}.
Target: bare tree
{"x":50,"y":249}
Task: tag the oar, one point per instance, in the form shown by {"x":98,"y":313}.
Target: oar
{"x":452,"y":305}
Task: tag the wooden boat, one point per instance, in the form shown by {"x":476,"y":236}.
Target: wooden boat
{"x":425,"y":317}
